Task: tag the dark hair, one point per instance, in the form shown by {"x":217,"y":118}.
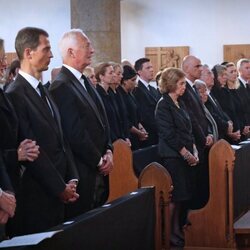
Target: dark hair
{"x":217,"y":70}
{"x":15,"y":64}
{"x":28,"y":38}
{"x":139,"y":63}
{"x":100,"y":69}
{"x":128,"y":73}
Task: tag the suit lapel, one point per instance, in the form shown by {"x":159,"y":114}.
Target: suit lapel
{"x":195,"y":96}
{"x":33,"y":96}
{"x":82,"y":93}
{"x":146,"y":91}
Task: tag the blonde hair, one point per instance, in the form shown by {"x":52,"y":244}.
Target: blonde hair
{"x":169,"y":78}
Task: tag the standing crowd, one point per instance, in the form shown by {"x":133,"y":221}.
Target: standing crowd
{"x":56,"y":139}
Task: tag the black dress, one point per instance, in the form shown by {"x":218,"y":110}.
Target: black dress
{"x":175,"y":132}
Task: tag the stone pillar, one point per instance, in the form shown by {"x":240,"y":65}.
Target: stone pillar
{"x":100,"y":21}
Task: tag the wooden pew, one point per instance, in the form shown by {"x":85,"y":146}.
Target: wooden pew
{"x":122,"y":180}
{"x":224,"y":222}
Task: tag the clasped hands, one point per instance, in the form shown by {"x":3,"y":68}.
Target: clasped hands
{"x":69,"y":194}
{"x":28,"y":150}
{"x":107,"y":163}
{"x":7,"y":206}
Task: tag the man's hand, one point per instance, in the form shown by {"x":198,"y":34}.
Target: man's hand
{"x":209,"y":141}
{"x":28,"y":150}
{"x":69,"y":194}
{"x":8,"y":203}
{"x":3,"y":217}
{"x":107,"y":164}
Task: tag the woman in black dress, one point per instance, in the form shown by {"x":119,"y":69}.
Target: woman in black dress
{"x":225,"y":98}
{"x":137,"y":133}
{"x":176,"y":145}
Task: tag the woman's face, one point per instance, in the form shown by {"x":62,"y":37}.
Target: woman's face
{"x":203,"y":93}
{"x":130,"y":84}
{"x":108,"y":76}
{"x":231,"y":73}
{"x":117,"y":76}
{"x":222,"y":78}
{"x":180,"y":87}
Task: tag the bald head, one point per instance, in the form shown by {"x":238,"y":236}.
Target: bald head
{"x":191,"y":65}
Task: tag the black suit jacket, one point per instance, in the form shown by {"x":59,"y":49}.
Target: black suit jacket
{"x":44,"y":179}
{"x":8,"y":146}
{"x":174,"y":128}
{"x":219,"y":116}
{"x":198,"y":118}
{"x":244,"y":95}
{"x":146,"y":103}
{"x":85,"y":124}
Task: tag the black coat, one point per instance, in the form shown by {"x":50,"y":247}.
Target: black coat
{"x":198,"y":118}
{"x":146,"y":102}
{"x":174,"y":128}
{"x":86,"y":127}
{"x":8,"y":146}
{"x":219,"y":115}
{"x":44,"y":179}
{"x":132,"y":115}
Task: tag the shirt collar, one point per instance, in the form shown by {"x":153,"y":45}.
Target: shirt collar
{"x":75,"y":72}
{"x":243,"y":81}
{"x":189,"y":82}
{"x":146,"y":84}
{"x":29,"y":78}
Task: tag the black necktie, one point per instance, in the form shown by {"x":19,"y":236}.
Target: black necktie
{"x":43,"y":95}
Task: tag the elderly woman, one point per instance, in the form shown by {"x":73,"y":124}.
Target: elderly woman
{"x":176,"y":145}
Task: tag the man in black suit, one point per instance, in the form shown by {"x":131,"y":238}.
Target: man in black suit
{"x":146,"y":98}
{"x":203,"y":137}
{"x":84,"y":122}
{"x":243,"y":67}
{"x":224,"y":123}
{"x":10,"y":154}
{"x":49,"y":181}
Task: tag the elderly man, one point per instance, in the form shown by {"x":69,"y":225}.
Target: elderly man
{"x":84,"y":122}
{"x":191,"y":65}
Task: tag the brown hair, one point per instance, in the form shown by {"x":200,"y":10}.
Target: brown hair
{"x":100,"y":69}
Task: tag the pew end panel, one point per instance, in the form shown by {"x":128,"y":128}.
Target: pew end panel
{"x":212,"y":226}
{"x":156,"y":175}
{"x":122,"y":179}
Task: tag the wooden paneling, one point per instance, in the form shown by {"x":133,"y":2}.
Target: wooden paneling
{"x":232,"y":53}
{"x":162,"y":57}
{"x":10,"y":57}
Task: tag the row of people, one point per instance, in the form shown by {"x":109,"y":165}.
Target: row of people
{"x":190,"y":119}
{"x":74,"y":157}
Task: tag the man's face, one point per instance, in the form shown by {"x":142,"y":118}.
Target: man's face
{"x":194,"y":69}
{"x":147,"y":72}
{"x":83,"y":52}
{"x":207,"y":76}
{"x":244,"y":71}
{"x":40,"y":57}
